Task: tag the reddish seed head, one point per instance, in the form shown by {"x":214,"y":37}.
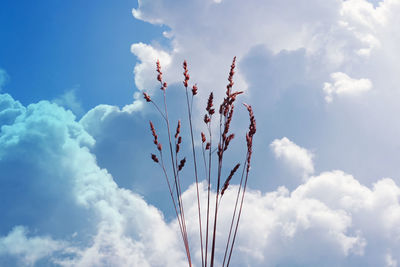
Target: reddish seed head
{"x":203,"y":137}
{"x":228,"y":121}
{"x":154,"y":158}
{"x":226,"y":184}
{"x":179,"y":139}
{"x":178,"y":129}
{"x":230,"y":78}
{"x":185,"y":74}
{"x":210,"y":104}
{"x":158,"y":66}
{"x":208,"y":145}
{"x":228,"y":140}
{"x":153,"y":132}
{"x":159,"y":76}
{"x":249,"y":135}
{"x":159,"y":146}
{"x":206,"y":119}
{"x":252,"y":127}
{"x":147,"y":97}
{"x":194,"y":89}
{"x":181,"y":164}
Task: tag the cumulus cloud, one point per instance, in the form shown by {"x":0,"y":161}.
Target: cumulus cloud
{"x":332,"y":33}
{"x":326,"y":219}
{"x":44,"y":150}
{"x":343,"y":85}
{"x":145,"y":70}
{"x":27,"y":249}
{"x":53,"y":174}
{"x":298,"y":158}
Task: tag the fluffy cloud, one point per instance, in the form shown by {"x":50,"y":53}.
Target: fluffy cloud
{"x":145,"y":70}
{"x":58,"y":168}
{"x":343,"y":85}
{"x":28,"y":250}
{"x":325,"y":219}
{"x":298,"y":158}
{"x":51,"y":177}
{"x":332,"y":32}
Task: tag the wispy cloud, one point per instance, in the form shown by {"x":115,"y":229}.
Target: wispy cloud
{"x":70,"y":101}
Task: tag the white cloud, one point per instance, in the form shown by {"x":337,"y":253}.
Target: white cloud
{"x":298,"y":158}
{"x":112,"y":226}
{"x":333,"y":33}
{"x":343,"y":85}
{"x":145,"y":74}
{"x":28,"y":249}
{"x":327,"y":218}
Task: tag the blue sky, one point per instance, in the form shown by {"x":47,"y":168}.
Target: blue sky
{"x":54,"y":46}
{"x":77,"y":186}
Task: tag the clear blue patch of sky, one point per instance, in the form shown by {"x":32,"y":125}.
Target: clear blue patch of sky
{"x":50,"y":46}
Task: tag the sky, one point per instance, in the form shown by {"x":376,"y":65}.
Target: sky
{"x":78,"y":187}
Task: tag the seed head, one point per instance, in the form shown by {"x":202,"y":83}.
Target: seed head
{"x":208,"y":145}
{"x":250,"y":134}
{"x":206,"y":119}
{"x":181,"y":164}
{"x":178,"y":129}
{"x":203,"y":137}
{"x":209,"y":108}
{"x":194,"y":89}
{"x":226,"y":184}
{"x":230,"y":78}
{"x":228,"y":140}
{"x":153,"y":132}
{"x":185,"y":74}
{"x":159,"y":76}
{"x":154,"y":158}
{"x":147,"y":97}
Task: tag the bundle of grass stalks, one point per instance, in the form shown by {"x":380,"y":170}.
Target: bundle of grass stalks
{"x":226,"y":111}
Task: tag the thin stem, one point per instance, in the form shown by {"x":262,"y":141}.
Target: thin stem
{"x":180,"y":196}
{"x":175,"y":171}
{"x":173,"y":201}
{"x":240,"y":212}
{"x":234,"y":212}
{"x":204,"y":159}
{"x":220,"y":157}
{"x":195,"y":174}
{"x":162,"y":114}
{"x":208,"y":188}
{"x":216,"y":212}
